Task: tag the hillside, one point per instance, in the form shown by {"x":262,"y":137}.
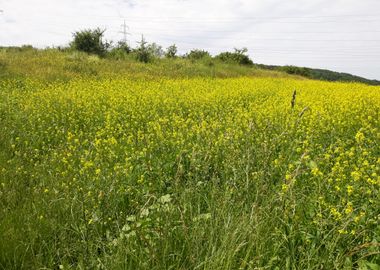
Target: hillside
{"x":54,"y":64}
{"x":319,"y":74}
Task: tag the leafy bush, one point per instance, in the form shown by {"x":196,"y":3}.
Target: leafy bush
{"x":171,"y":51}
{"x":120,"y":51}
{"x":143,"y":53}
{"x":23,"y":48}
{"x":123,"y":46}
{"x":239,"y":56}
{"x":155,"y":50}
{"x":302,"y":71}
{"x":90,"y":41}
{"x":197,"y":54}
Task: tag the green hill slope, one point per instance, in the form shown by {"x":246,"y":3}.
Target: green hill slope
{"x":55,"y":64}
{"x":52,"y":65}
{"x":320,"y":74}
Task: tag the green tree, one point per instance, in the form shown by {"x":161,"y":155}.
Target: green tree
{"x":302,"y":71}
{"x":90,"y":41}
{"x":197,"y":54}
{"x":123,"y":46}
{"x":171,"y":51}
{"x":120,"y":51}
{"x":142,"y":52}
{"x":239,"y":56}
{"x":155,"y":50}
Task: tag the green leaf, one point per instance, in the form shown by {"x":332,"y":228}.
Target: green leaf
{"x":313,"y":164}
{"x":165,"y":199}
{"x":373,"y":266}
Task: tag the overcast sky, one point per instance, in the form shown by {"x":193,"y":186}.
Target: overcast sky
{"x":341,"y":35}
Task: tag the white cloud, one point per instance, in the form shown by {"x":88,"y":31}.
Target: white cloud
{"x":316,"y":33}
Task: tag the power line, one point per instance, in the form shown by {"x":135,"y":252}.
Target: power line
{"x":283,"y":32}
{"x":288,"y":39}
{"x":203,"y":29}
{"x":302,"y":50}
{"x":229,"y":18}
{"x":319,"y":54}
{"x":194,"y":36}
{"x":252,"y":21}
{"x":266,"y":51}
{"x":174,"y":38}
{"x":261,"y":20}
{"x":277,"y":39}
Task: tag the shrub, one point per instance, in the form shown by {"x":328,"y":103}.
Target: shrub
{"x":143,"y":53}
{"x":197,"y":54}
{"x":302,"y":71}
{"x":90,"y":41}
{"x":239,"y":56}
{"x":155,"y":50}
{"x":171,"y":51}
{"x":124,"y":47}
{"x":120,"y":51}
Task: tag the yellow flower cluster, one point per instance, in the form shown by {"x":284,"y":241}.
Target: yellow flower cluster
{"x":118,"y":137}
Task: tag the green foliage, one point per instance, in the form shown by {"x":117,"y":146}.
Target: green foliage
{"x":53,"y":64}
{"x":328,"y":75}
{"x":123,"y":46}
{"x":23,"y":48}
{"x":302,"y":71}
{"x":143,"y":52}
{"x":90,"y":41}
{"x":319,"y":74}
{"x":120,"y":51}
{"x":239,"y":56}
{"x":197,"y":54}
{"x":155,"y":50}
{"x":171,"y":51}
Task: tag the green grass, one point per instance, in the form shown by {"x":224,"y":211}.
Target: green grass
{"x":51,"y":65}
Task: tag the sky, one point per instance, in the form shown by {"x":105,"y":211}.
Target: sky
{"x":340,"y":35}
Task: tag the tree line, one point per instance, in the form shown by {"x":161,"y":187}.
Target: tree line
{"x":92,"y":41}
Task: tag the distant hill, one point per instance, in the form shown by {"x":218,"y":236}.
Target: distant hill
{"x":320,"y":74}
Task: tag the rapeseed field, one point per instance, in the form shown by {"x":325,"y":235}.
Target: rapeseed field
{"x":198,"y":173}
